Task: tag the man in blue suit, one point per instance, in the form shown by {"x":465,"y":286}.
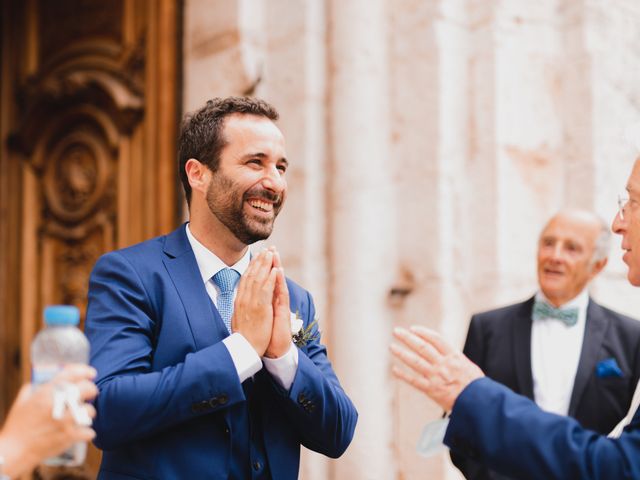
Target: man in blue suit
{"x":192,"y":335}
{"x":508,"y":432}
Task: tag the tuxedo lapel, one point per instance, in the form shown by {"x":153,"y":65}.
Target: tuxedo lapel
{"x":522,"y":348}
{"x":206,"y":324}
{"x":594,"y":330}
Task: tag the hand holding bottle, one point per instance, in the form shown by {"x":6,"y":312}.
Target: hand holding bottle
{"x":31,"y":433}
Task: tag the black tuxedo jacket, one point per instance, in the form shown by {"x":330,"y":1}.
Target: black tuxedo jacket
{"x":499,"y":342}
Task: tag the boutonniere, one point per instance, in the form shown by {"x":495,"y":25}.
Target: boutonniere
{"x":301,"y":336}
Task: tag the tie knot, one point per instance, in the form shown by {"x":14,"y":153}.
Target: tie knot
{"x":569,"y":316}
{"x":226,"y":279}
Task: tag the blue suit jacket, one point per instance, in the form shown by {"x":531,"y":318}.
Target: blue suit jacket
{"x":167,"y":382}
{"x":512,"y":435}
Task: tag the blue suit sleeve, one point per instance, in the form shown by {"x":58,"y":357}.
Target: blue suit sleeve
{"x":474,"y":350}
{"x":317,"y":405}
{"x":511,"y":434}
{"x":134,"y":401}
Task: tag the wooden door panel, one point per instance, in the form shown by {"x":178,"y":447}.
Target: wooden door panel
{"x":88,"y":124}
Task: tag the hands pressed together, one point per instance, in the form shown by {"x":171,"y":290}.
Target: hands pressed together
{"x":261,"y":309}
{"x":436,"y":368}
{"x":30,"y":433}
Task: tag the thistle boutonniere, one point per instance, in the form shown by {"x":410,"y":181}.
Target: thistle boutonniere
{"x":300,"y":335}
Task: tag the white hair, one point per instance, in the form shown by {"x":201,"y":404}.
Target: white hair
{"x":603,"y":242}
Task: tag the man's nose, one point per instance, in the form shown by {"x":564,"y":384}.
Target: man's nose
{"x":618,"y":224}
{"x":274,"y":180}
{"x":556,"y":252}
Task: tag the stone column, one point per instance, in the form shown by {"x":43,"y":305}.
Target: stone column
{"x":223,"y":49}
{"x":294,"y":80}
{"x":609,"y":36}
{"x":362,"y":228}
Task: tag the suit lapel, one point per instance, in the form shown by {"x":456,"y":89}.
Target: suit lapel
{"x":522,"y":348}
{"x":594,"y":330}
{"x":206,"y":325}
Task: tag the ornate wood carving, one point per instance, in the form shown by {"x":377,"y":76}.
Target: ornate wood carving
{"x":65,"y":23}
{"x":91,"y":85}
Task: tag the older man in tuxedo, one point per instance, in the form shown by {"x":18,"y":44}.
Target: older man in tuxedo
{"x":560,"y":348}
{"x":191,"y":334}
{"x":508,"y":432}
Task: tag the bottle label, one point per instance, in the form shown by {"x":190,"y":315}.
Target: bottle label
{"x":43,"y":373}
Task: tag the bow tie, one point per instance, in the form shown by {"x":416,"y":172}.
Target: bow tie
{"x":543,"y":310}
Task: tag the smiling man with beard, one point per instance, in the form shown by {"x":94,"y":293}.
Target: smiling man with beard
{"x":560,"y":348}
{"x":191,"y":334}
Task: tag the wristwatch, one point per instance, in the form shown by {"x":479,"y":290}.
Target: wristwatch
{"x":2,"y":475}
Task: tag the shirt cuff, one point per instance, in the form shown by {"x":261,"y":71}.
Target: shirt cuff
{"x":245,"y":358}
{"x":284,"y":368}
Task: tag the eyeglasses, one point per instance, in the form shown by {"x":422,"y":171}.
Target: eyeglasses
{"x":623,"y":200}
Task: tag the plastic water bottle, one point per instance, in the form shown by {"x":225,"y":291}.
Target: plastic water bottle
{"x":59,"y":343}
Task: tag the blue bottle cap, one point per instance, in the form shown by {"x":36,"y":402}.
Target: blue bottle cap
{"x":61,"y":315}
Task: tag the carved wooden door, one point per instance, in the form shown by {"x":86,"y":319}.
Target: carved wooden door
{"x":87,"y":163}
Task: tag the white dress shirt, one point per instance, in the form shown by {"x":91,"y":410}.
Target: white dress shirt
{"x":555,"y":354}
{"x":245,"y":358}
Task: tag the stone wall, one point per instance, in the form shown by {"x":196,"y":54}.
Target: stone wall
{"x":429,"y":142}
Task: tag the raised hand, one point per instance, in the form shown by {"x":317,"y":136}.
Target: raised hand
{"x":31,"y":434}
{"x":439,"y":371}
{"x":280,"y":341}
{"x":253,"y":306}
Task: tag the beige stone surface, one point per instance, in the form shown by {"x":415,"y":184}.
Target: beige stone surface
{"x":429,"y":141}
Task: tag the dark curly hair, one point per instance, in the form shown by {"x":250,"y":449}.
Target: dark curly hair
{"x":201,"y":133}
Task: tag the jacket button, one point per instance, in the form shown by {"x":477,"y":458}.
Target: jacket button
{"x":226,"y":430}
{"x":213,"y":403}
{"x":302,"y":399}
{"x":256,"y":465}
{"x":222,"y":399}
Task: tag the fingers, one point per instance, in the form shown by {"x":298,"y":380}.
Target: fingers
{"x":270,"y":284}
{"x":282,"y":291}
{"x":75,"y":372}
{"x":254,"y":278}
{"x":433,"y":338}
{"x":264,"y":266}
{"x":88,"y":390}
{"x":411,"y":360}
{"x":91,"y":411}
{"x":417,"y":344}
{"x":421,"y":383}
{"x":81,"y":376}
{"x":257,"y":271}
{"x":276,"y":258}
{"x":85,"y":434}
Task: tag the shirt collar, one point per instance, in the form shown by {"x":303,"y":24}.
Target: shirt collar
{"x":209,"y":263}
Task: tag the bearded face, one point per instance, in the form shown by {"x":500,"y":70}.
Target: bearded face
{"x":248,"y":214}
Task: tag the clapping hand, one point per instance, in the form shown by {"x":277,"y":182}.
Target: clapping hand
{"x":261,"y":309}
{"x":253,"y":306}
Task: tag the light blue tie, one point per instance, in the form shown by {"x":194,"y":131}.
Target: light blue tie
{"x":543,"y":310}
{"x":226,"y":280}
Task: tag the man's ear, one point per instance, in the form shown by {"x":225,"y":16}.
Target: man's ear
{"x":598,"y":266}
{"x":198,"y":175}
